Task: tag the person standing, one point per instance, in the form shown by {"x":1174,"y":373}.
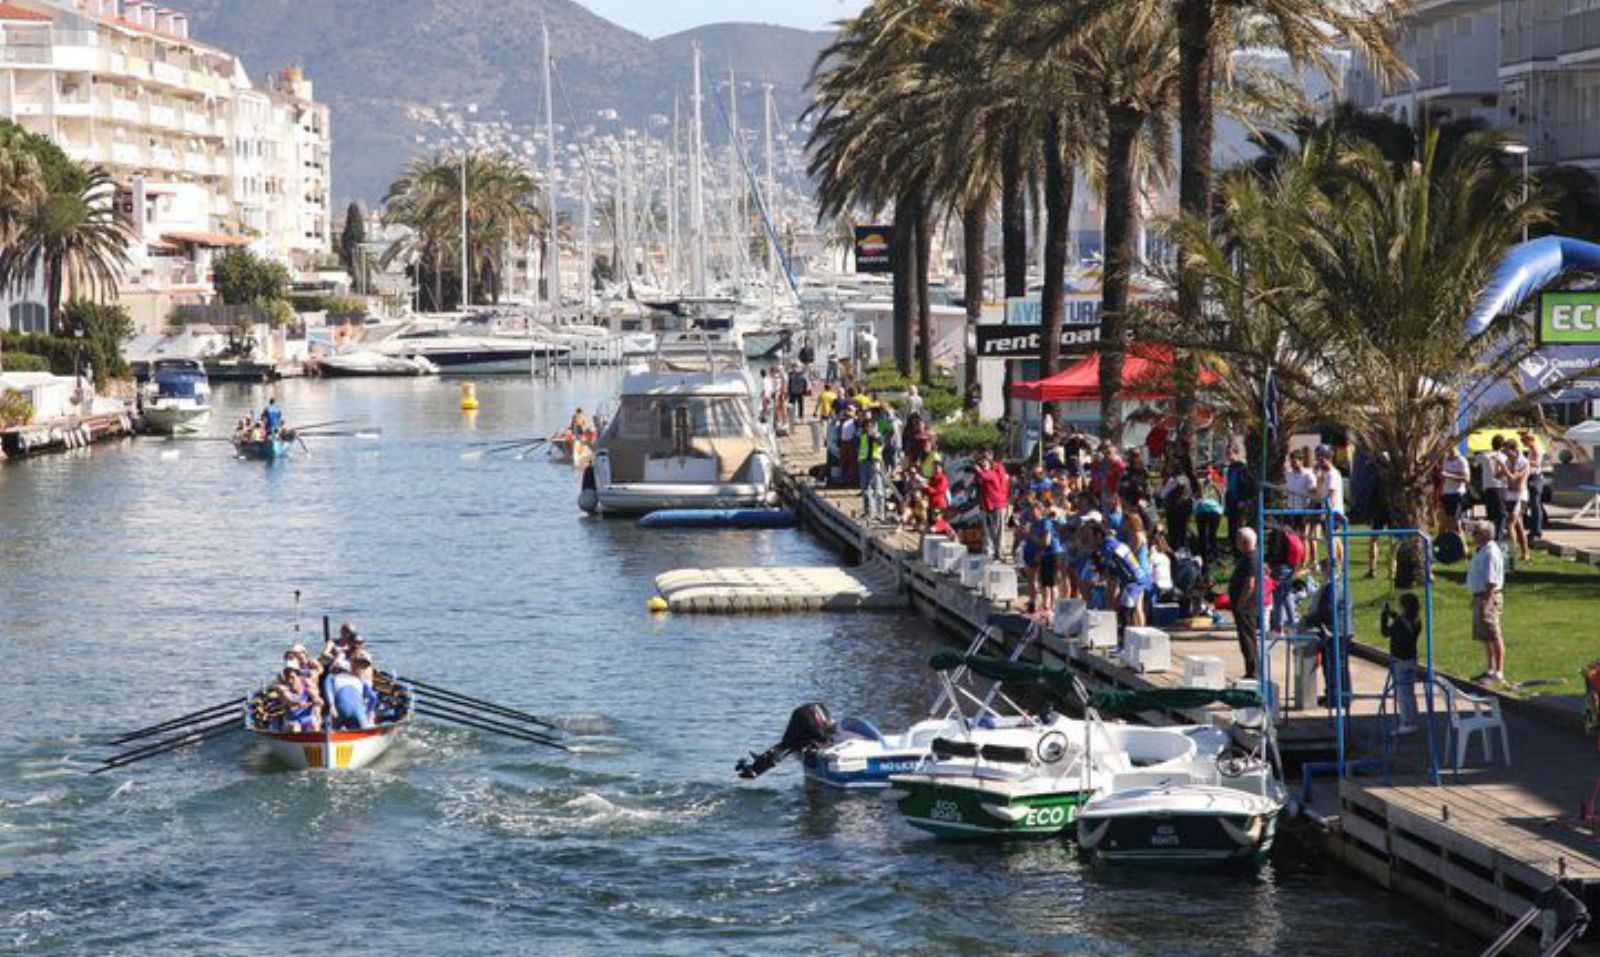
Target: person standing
{"x":1242,"y":588}
{"x":994,"y":489}
{"x":1239,"y":487}
{"x":913,"y":402}
{"x":1486,"y":580}
{"x":1516,"y":494}
{"x":1330,"y":490}
{"x":273,"y":418}
{"x":1492,"y":483}
{"x":1454,"y":476}
{"x":799,"y":387}
{"x":1403,"y":631}
{"x":1536,"y":514}
{"x":874,"y":480}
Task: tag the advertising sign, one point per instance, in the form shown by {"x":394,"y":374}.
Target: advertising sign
{"x":1022,"y":342}
{"x":1569,"y":318}
{"x":872,"y":249}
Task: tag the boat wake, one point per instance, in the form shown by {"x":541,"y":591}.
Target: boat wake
{"x":577,"y":812}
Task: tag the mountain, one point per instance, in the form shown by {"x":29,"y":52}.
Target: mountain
{"x":384,"y":65}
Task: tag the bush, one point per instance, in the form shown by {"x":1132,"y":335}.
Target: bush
{"x":105,"y":328}
{"x":25,"y":362}
{"x":15,"y":409}
{"x":968,"y":437}
{"x":940,"y":404}
{"x":244,"y":279}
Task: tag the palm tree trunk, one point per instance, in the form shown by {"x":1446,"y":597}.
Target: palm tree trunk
{"x":52,"y":280}
{"x":1058,"y":187}
{"x":1013,"y":222}
{"x":1196,"y":117}
{"x":1121,"y":232}
{"x":974,"y":229}
{"x":924,"y":307}
{"x":903,"y":261}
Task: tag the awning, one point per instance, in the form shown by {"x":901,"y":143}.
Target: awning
{"x":1146,"y":374}
{"x":206,"y":239}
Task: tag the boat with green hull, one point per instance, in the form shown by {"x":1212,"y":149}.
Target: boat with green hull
{"x":967,"y":807}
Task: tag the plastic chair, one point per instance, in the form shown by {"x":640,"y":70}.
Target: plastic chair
{"x":1470,"y":714}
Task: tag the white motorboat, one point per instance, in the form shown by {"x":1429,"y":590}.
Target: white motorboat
{"x":177,"y":399}
{"x":457,"y":351}
{"x":685,"y":435}
{"x":368,"y":363}
{"x":1210,"y":809}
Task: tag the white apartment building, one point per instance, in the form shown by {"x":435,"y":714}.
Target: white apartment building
{"x":203,"y":159}
{"x":1530,"y":67}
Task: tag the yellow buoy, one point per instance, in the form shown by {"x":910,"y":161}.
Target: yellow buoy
{"x":469,"y":397}
{"x":656,"y":604}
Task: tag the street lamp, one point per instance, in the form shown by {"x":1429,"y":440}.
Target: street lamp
{"x":1521,"y":149}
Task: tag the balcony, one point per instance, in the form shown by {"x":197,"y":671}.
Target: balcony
{"x":131,"y":111}
{"x":197,"y":163}
{"x":1576,"y":141}
{"x":167,"y":73}
{"x":77,"y":103}
{"x":26,"y":56}
{"x":1580,"y":36}
{"x":127,"y":154}
{"x":1526,"y":42}
{"x":198,"y":123}
{"x":164,"y":116}
{"x":164,"y":157}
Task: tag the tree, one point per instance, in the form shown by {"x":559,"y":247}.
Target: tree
{"x":350,"y":240}
{"x":1342,"y":247}
{"x":73,"y":237}
{"x":104,"y":327}
{"x":244,"y":279}
{"x":22,"y":189}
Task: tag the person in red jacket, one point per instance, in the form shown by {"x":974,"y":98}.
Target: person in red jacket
{"x":994,"y":492}
{"x":938,"y":488}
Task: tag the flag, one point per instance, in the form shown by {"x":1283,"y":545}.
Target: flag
{"x":1269,"y":404}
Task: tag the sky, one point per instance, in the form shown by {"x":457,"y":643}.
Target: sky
{"x":655,"y":18}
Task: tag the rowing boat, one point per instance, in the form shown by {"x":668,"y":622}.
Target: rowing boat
{"x":265,"y":450}
{"x":329,"y":749}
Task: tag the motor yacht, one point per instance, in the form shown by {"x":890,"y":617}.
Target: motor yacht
{"x":177,"y":399}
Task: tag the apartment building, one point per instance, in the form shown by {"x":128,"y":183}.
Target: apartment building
{"x":1530,"y":67}
{"x":203,"y":159}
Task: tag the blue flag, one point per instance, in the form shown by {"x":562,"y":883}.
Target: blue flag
{"x":1269,"y":403}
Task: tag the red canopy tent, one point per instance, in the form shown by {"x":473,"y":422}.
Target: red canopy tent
{"x":1146,"y":374}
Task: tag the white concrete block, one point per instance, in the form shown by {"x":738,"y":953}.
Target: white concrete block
{"x":930,"y":547}
{"x":1069,"y":618}
{"x":1000,"y":582}
{"x":1100,"y":629}
{"x":949,"y":557}
{"x":1204,"y":671}
{"x":1147,"y":649}
{"x":973,"y":569}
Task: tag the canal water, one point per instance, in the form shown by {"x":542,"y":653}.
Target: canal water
{"x":144,"y":580}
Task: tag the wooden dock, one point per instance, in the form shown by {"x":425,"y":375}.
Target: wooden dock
{"x":1480,"y":847}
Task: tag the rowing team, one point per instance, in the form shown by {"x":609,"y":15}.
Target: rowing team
{"x":340,"y":685}
{"x":268,"y":426}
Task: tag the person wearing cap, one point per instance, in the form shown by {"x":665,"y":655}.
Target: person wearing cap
{"x":353,"y":702}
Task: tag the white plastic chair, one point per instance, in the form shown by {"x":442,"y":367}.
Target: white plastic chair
{"x":1470,"y":714}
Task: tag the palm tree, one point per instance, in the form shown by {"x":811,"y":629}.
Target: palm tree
{"x":75,"y":239}
{"x":22,"y":189}
{"x":1387,"y":262}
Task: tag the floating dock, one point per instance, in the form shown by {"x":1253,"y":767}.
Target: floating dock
{"x":1480,"y":848}
{"x":757,"y":590}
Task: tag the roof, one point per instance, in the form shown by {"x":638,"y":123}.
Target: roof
{"x":206,"y":239}
{"x":1146,"y":374}
{"x":10,"y":11}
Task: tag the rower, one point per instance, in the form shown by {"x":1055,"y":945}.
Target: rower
{"x":579,"y":425}
{"x":302,"y":706}
{"x":272,"y":418}
{"x":353,"y":702}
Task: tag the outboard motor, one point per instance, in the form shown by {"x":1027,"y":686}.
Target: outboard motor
{"x":810,"y":727}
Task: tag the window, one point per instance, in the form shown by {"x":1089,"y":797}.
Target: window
{"x":29,"y":317}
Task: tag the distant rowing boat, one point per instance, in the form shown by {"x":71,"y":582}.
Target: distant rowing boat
{"x":265,"y":450}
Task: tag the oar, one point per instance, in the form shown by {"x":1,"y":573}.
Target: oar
{"x":319,"y":425}
{"x":192,"y":736}
{"x":471,"y":716}
{"x":343,"y":434}
{"x":475,"y":454}
{"x":530,"y":449}
{"x":194,"y":717}
{"x":479,"y":726}
{"x":486,"y":705}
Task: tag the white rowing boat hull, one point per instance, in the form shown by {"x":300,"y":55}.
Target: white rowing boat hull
{"x":330,"y":750}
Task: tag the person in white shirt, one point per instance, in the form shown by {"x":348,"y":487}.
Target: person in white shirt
{"x":1516,"y":494}
{"x":1492,"y":482}
{"x":1454,"y":475}
{"x":1330,"y":489}
{"x":1486,"y":580}
{"x":1301,"y":485}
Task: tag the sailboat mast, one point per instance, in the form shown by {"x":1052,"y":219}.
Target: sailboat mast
{"x":673,"y":276}
{"x":588,"y":251}
{"x":739,"y":192}
{"x":697,"y":209}
{"x":552,"y":251}
{"x":768,"y":194}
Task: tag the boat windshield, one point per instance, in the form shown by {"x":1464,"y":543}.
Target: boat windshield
{"x":178,"y":385}
{"x":653,"y":418}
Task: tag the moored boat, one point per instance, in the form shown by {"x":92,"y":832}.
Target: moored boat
{"x":368,"y":363}
{"x":177,"y":399}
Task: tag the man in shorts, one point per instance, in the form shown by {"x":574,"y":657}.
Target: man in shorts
{"x":1486,"y":580}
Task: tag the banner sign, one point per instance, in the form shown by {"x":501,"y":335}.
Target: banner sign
{"x":1083,"y":309}
{"x":872,"y":249}
{"x":1569,"y":318}
{"x":1014,"y":342}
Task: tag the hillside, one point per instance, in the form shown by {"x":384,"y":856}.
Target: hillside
{"x":375,"y":60}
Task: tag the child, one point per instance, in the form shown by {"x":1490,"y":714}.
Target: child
{"x":1403,"y":630}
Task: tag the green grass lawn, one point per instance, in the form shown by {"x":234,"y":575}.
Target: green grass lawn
{"x":1551,"y":620}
